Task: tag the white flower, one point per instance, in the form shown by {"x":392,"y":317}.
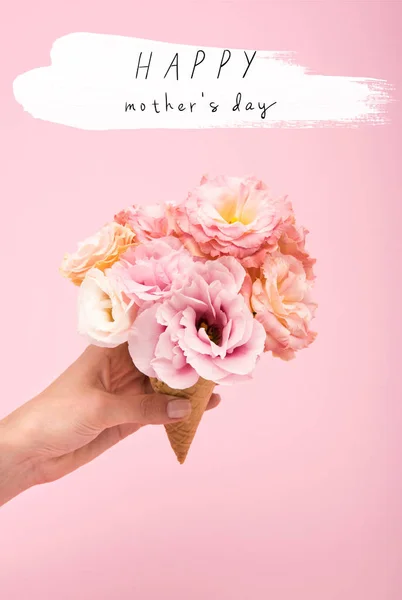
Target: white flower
{"x":105,"y":315}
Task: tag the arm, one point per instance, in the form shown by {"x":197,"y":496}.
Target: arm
{"x":15,"y":471}
{"x":98,"y":401}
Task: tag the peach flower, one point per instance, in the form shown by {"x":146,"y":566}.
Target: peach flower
{"x":230,"y":216}
{"x":281,"y":300}
{"x":100,"y":250}
{"x":292,"y":241}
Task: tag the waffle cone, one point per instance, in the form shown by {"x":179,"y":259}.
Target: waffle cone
{"x":182,"y":434}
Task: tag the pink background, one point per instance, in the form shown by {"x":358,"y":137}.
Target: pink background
{"x":292,"y":490}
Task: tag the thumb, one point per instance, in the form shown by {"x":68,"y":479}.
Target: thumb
{"x":144,"y":409}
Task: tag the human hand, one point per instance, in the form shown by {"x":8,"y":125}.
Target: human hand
{"x":98,"y":401}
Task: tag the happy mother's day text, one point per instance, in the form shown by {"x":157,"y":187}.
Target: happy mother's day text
{"x":175,"y":71}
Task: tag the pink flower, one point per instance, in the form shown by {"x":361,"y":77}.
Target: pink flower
{"x":152,"y":271}
{"x":292,"y":241}
{"x":205,"y":330}
{"x":281,"y":300}
{"x":230,"y":216}
{"x":147,"y":222}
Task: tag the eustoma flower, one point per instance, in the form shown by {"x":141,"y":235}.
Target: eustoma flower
{"x":147,"y":222}
{"x":205,"y":329}
{"x":153,"y":270}
{"x":199,"y":289}
{"x":293,"y":242}
{"x":231,"y":216}
{"x":282,"y":302}
{"x":100,"y":250}
{"x":105,"y":314}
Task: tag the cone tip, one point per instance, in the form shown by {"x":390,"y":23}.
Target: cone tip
{"x":181,"y":457}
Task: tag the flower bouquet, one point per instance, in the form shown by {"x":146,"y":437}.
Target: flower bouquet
{"x":199,"y":289}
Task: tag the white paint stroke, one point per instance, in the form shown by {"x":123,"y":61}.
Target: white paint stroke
{"x":92,"y":79}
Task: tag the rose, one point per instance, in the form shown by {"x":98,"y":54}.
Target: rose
{"x":100,"y":250}
{"x":147,"y":222}
{"x":230,"y":216}
{"x":105,"y":315}
{"x":281,"y":300}
{"x":152,"y":271}
{"x":205,"y":330}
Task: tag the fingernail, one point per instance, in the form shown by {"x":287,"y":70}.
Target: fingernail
{"x":177,"y":409}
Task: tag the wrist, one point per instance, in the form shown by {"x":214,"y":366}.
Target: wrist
{"x":15,"y":467}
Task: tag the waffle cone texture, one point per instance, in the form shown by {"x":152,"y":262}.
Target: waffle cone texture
{"x":182,"y":434}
